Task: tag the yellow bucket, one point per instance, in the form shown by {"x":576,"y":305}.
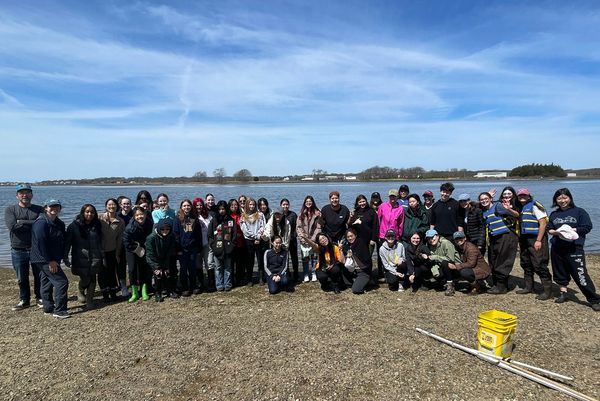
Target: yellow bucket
{"x":496,"y":329}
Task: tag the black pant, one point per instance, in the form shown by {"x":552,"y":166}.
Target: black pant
{"x":569,"y":262}
{"x":502,"y":254}
{"x":362,"y":277}
{"x":252,"y":251}
{"x":238,"y":264}
{"x":122,"y":265}
{"x":532,"y":260}
{"x":329,"y":277}
{"x":107,"y":276}
{"x":394,"y":281}
{"x":462,"y":274}
{"x":293,"y":251}
{"x":139,"y":272}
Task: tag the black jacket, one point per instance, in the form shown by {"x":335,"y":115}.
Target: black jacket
{"x":84,"y":241}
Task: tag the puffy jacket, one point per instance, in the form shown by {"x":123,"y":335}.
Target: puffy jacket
{"x":136,"y":234}
{"x":474,"y":226}
{"x":84,"y":241}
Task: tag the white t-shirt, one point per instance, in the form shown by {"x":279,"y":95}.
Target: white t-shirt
{"x":539,"y":214}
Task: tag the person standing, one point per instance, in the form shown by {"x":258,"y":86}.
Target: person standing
{"x":308,"y":227}
{"x":188,"y":240}
{"x":84,"y":240}
{"x":335,"y":218}
{"x":222,"y":234}
{"x":444,"y":215}
{"x":47,"y":251}
{"x":568,"y":226}
{"x":134,"y":240}
{"x":126,"y":214}
{"x":533,"y":243}
{"x":292,"y":218}
{"x":19,"y":219}
{"x":112,"y":240}
{"x":474,"y":226}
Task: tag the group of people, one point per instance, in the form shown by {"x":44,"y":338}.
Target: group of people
{"x":209,"y":246}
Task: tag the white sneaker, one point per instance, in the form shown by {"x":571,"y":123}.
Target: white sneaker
{"x":306,"y":279}
{"x":400,"y":288}
{"x":40,"y":303}
{"x":20,"y":306}
{"x":314,"y":278}
{"x":61,"y":315}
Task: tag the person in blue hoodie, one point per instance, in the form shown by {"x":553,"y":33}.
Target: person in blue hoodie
{"x":47,"y":252}
{"x":568,"y":226}
{"x":160,"y":248}
{"x":188,"y":236}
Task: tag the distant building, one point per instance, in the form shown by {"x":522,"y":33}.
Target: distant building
{"x":331,"y":177}
{"x":308,"y":179}
{"x":571,"y":175}
{"x":350,"y":178}
{"x":491,"y":174}
{"x":286,"y":178}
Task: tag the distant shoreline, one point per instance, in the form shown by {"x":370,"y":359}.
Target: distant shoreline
{"x":69,"y":183}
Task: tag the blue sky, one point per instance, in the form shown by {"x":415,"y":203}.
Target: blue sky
{"x":112,"y":88}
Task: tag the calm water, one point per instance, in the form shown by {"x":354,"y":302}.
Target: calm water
{"x":73,"y":197}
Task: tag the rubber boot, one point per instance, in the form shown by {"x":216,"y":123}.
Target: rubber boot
{"x":145,"y":295}
{"x":547,"y":294}
{"x":499,"y":288}
{"x":134,"y":293}
{"x":528,"y":289}
{"x":124,"y":291}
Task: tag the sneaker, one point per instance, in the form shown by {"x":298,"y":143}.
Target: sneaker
{"x":174,"y":295}
{"x":186,"y":294}
{"x":40,"y":303}
{"x":449,"y":289}
{"x":306,"y":279}
{"x":20,"y":306}
{"x":61,"y":315}
{"x":400,"y":288}
{"x":596,"y":307}
{"x":314,"y":278}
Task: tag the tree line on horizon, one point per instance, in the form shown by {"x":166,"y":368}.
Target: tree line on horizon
{"x":219,"y":175}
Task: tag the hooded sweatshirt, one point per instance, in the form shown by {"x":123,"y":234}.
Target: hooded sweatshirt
{"x":393,"y":256}
{"x":160,"y":247}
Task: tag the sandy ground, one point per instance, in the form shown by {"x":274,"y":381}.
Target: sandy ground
{"x":307,"y":345}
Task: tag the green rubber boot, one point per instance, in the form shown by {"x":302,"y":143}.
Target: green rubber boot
{"x":134,"y":293}
{"x":145,"y":295}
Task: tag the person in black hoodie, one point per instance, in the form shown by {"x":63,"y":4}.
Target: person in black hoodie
{"x":221,"y":236}
{"x":84,"y":242}
{"x":358,"y":263}
{"x":276,"y":267}
{"x":364,"y":220}
{"x":134,"y":239}
{"x":160,"y":248}
{"x":47,"y":251}
{"x":444,"y":215}
{"x":188,"y":236}
{"x":414,"y":250}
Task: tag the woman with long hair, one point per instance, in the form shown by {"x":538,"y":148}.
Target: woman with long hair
{"x":252,"y":224}
{"x":204,"y":261}
{"x":134,"y":239}
{"x":238,"y":265}
{"x":330,"y":262}
{"x":188,"y":240}
{"x":84,"y":242}
{"x":568,"y":225}
{"x":364,"y":221}
{"x":308,"y":227}
{"x":222,"y":236}
{"x":112,"y":242}
{"x":358,"y":264}
{"x":501,"y":220}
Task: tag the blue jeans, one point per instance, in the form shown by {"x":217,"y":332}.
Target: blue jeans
{"x":20,"y":262}
{"x":54,"y":289}
{"x":274,"y":287}
{"x":223,"y":273}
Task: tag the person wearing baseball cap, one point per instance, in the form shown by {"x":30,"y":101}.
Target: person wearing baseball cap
{"x":19,"y":219}
{"x":533,"y":244}
{"x":472,"y":267}
{"x":442,"y":253}
{"x":47,"y":252}
{"x":403,"y":192}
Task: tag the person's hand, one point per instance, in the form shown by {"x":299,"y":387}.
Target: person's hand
{"x":179,"y":253}
{"x":424,"y":256}
{"x":401,"y":275}
{"x":411,"y":278}
{"x":492,"y":192}
{"x":451,"y":266}
{"x":53,"y":266}
{"x":552,"y":232}
{"x":372,"y":243}
{"x":276,"y":278}
{"x":256,"y":242}
{"x":157,"y":272}
{"x":537,"y":245}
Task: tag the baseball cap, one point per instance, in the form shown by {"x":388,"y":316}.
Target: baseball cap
{"x":404,"y":187}
{"x":428,"y":193}
{"x":431,"y":233}
{"x":393,"y":192}
{"x":390,"y":233}
{"x":52,"y":202}
{"x":459,"y":234}
{"x":523,"y":191}
{"x":464,"y":197}
{"x":23,"y":187}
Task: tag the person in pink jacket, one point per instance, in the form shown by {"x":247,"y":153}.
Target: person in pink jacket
{"x":391,"y":217}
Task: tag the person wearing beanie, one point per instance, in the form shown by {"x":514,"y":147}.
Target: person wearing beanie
{"x":160,"y":248}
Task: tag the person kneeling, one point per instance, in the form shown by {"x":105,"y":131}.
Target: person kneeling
{"x":276,"y":267}
{"x":473,"y":268}
{"x":443,"y":252}
{"x":397,"y":271}
{"x":330,"y":262}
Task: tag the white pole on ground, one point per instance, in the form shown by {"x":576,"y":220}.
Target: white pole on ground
{"x":513,"y":369}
